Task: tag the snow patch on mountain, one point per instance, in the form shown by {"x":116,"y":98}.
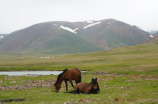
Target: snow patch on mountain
{"x":65,"y":28}
{"x":92,"y":24}
{"x":55,"y":24}
{"x":89,"y":21}
{"x":1,"y":37}
{"x":69,"y":29}
{"x":151,"y":36}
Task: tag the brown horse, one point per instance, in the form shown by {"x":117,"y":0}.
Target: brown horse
{"x":68,"y":75}
{"x":87,"y":88}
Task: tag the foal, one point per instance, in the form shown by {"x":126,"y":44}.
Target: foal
{"x":87,"y":88}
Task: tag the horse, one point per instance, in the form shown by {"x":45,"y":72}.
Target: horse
{"x":68,"y":75}
{"x":87,"y":88}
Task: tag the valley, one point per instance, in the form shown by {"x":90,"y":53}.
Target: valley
{"x":125,"y":75}
{"x":125,"y":63}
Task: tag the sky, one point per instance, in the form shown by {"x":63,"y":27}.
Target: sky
{"x":19,"y":14}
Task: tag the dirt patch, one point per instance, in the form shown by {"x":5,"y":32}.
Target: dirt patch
{"x":27,"y":84}
{"x":107,"y":74}
{"x":10,"y":100}
{"x":99,"y":101}
{"x":142,"y":77}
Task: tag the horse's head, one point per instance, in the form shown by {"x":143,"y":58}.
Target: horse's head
{"x":57,"y":87}
{"x":57,"y":84}
{"x":95,"y":84}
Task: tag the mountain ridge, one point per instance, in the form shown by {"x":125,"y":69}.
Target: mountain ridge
{"x":112,"y":29}
{"x":99,"y":35}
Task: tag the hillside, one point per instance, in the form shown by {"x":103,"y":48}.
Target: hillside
{"x":59,"y":37}
{"x":46,"y":38}
{"x":154,"y":39}
{"x":153,"y":32}
{"x":2,"y":36}
{"x":112,"y":33}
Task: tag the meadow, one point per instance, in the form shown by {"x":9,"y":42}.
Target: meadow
{"x":125,"y":75}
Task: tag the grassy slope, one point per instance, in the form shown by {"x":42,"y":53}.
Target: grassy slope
{"x":42,"y":42}
{"x":67,"y":43}
{"x":129,"y":75}
{"x":46,"y":38}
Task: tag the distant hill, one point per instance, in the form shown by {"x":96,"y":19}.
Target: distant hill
{"x":153,"y":32}
{"x":59,"y":37}
{"x":155,"y":38}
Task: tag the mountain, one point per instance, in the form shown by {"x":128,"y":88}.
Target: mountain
{"x":111,"y":33}
{"x":153,"y":32}
{"x":60,"y":37}
{"x":154,"y":39}
{"x":46,"y":38}
{"x":2,"y":36}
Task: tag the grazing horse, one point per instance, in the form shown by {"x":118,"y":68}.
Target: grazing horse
{"x":87,"y":88}
{"x":68,"y":75}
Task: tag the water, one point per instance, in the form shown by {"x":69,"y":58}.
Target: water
{"x":19,"y":73}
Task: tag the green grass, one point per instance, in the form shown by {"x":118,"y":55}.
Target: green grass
{"x":69,"y":43}
{"x":127,"y":88}
{"x":128,"y":75}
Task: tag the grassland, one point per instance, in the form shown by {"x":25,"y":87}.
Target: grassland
{"x":126,"y":75}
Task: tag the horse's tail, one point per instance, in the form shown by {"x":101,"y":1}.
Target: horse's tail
{"x":79,"y":79}
{"x":79,"y":76}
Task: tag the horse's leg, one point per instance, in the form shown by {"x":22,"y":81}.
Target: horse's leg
{"x":76,"y":90}
{"x":76,"y":80}
{"x":98,"y":89}
{"x":66,"y":85}
{"x":71,"y":84}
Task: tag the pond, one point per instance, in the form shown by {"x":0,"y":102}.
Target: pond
{"x":19,"y":73}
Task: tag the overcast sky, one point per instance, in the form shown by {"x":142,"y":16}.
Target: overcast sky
{"x":19,"y":14}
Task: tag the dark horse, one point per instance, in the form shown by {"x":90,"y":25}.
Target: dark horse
{"x":68,"y":75}
{"x":87,"y":88}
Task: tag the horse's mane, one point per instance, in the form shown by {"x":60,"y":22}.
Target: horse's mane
{"x":60,"y":75}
